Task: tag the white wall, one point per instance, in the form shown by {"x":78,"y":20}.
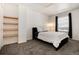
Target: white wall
{"x":10,"y":9}
{"x":1,"y":26}
{"x":27,"y":20}
{"x":35,"y":19}
{"x":75,"y":22}
{"x":22,"y":24}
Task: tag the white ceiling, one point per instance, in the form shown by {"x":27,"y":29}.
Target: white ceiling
{"x":52,"y":8}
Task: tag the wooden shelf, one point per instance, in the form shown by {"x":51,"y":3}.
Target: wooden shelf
{"x":10,"y":27}
{"x":10,"y":17}
{"x":10,"y":30}
{"x":10,"y":36}
{"x":10,"y":23}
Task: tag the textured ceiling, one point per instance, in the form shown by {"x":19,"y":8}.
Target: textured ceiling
{"x":52,"y":8}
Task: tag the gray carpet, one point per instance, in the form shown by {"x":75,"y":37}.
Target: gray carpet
{"x":36,"y":47}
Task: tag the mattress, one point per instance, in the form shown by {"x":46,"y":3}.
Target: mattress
{"x":53,"y":37}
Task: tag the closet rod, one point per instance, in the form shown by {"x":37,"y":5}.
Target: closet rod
{"x":10,"y":17}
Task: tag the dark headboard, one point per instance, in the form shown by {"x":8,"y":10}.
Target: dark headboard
{"x":34,"y":32}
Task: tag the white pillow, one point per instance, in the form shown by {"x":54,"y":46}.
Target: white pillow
{"x":41,"y":29}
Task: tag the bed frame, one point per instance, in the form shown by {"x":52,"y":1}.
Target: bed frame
{"x":35,"y":36}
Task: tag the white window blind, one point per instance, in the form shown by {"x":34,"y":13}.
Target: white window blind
{"x":63,"y":23}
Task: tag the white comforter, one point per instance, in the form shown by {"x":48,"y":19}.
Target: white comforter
{"x":53,"y":37}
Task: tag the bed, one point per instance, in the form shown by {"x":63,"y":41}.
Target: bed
{"x":57,"y":39}
{"x":60,"y":36}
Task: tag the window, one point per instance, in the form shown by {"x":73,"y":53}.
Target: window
{"x":63,"y":24}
